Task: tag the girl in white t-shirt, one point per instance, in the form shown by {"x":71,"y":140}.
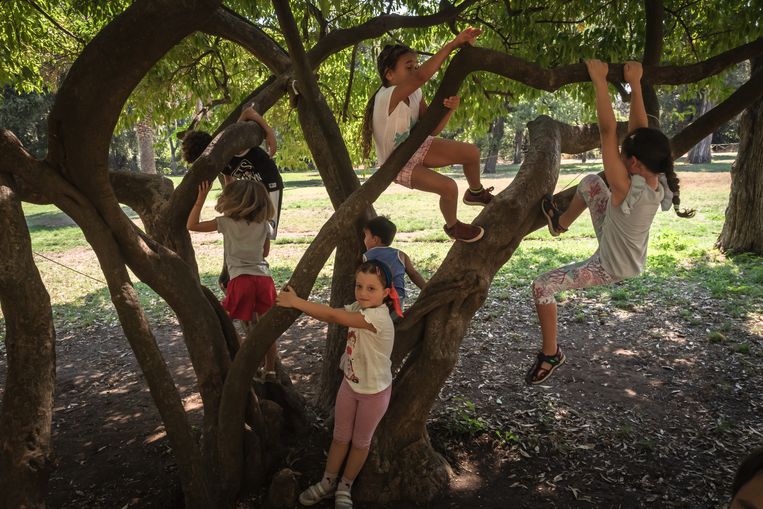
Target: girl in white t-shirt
{"x":364,"y":394}
{"x":392,"y":112}
{"x":246,"y":210}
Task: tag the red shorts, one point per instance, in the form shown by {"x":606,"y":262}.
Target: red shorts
{"x":247,"y":295}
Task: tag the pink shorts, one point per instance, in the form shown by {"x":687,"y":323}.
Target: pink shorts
{"x":247,"y":295}
{"x":357,"y":415}
{"x":404,"y":177}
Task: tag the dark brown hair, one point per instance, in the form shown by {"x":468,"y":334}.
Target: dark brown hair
{"x":652,"y":148}
{"x":194,"y":143}
{"x":383,"y":228}
{"x":386,"y":60}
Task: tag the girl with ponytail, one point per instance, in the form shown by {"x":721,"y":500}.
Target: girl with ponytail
{"x":392,"y":112}
{"x":640,"y":180}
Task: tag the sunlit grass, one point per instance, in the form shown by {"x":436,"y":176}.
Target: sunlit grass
{"x":681,"y":251}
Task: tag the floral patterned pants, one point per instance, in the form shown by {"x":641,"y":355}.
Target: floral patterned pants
{"x":583,"y":274}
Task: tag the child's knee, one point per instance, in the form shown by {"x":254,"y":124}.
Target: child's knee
{"x":542,"y":291}
{"x":449,"y":190}
{"x":361,"y":443}
{"x":472,"y":153}
{"x":589,"y":182}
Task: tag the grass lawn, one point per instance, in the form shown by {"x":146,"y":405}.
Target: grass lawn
{"x":681,"y":251}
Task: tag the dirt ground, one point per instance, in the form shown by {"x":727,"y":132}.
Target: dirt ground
{"x":647,"y":412}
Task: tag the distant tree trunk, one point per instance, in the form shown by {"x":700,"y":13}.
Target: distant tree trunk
{"x":519,"y":136}
{"x":495,"y":139}
{"x":146,"y":147}
{"x":701,"y":153}
{"x":583,"y":157}
{"x":25,"y":449}
{"x":743,"y":228}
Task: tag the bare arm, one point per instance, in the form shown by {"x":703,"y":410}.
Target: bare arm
{"x":413,"y":274}
{"x":288,"y":298}
{"x":614,"y":169}
{"x":270,"y":136}
{"x":426,"y":70}
{"x":194,"y":224}
{"x":632,"y":72}
{"x":451,"y":103}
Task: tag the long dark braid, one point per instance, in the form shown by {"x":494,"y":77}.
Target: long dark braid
{"x":652,"y":148}
{"x":386,"y":60}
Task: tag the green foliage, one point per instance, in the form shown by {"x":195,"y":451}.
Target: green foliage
{"x":38,"y":45}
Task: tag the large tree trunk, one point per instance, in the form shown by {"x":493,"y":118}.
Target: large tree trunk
{"x":743,"y":228}
{"x":701,"y":152}
{"x":145,"y":135}
{"x":26,"y":455}
{"x":403,"y":464}
{"x":495,"y":139}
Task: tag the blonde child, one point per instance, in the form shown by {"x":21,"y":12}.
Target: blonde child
{"x":365,"y":391}
{"x":640,"y":179}
{"x":392,"y":112}
{"x":246,"y":210}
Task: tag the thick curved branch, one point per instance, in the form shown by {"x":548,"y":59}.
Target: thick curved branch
{"x":230,"y":25}
{"x":61,"y":193}
{"x":276,"y":86}
{"x":530,"y":74}
{"x":378,"y":26}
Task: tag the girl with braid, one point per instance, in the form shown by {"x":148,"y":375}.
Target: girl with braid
{"x":640,"y":179}
{"x":392,"y":112}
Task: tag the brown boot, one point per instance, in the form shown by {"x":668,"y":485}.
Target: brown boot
{"x":482,"y":198}
{"x":464,"y":232}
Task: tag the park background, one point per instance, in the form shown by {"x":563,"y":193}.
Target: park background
{"x":658,"y":402}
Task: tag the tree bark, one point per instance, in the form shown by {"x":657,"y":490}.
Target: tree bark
{"x":145,"y":134}
{"x":330,"y":154}
{"x":495,"y":139}
{"x":402,"y":463}
{"x":26,"y":453}
{"x":654,"y":11}
{"x":701,"y":153}
{"x":743,"y":228}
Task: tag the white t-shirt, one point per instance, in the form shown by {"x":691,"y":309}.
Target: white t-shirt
{"x":243,"y":244}
{"x":366,"y":360}
{"x":391,"y":129}
{"x":625,"y":232}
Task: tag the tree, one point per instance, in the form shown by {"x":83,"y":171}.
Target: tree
{"x":743,"y":228}
{"x":701,"y":152}
{"x":75,"y":177}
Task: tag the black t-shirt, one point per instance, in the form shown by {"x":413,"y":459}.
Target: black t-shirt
{"x":255,"y":164}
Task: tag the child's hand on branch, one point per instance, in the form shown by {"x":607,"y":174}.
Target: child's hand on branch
{"x":632,"y":71}
{"x":287,"y":297}
{"x":203,"y":191}
{"x":597,"y":69}
{"x":451,"y":102}
{"x":467,"y":37}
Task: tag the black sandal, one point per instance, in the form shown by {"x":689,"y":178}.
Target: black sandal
{"x":552,"y":215}
{"x":538,"y":374}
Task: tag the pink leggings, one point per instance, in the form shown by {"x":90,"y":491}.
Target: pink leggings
{"x":587,"y":273}
{"x":357,"y":415}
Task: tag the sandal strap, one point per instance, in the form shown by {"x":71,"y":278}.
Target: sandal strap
{"x":551,"y":359}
